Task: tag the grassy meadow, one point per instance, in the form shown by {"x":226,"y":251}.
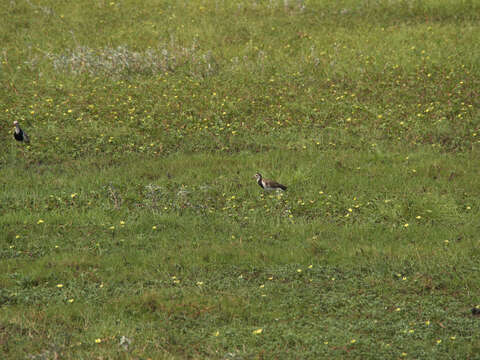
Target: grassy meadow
{"x":132,"y":228}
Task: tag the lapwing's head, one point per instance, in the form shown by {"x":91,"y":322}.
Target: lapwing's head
{"x":258,"y":176}
{"x":15,"y":123}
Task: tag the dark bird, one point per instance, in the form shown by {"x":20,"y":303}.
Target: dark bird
{"x":268,"y":184}
{"x":19,"y":134}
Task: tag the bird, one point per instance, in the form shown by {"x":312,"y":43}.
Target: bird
{"x":19,"y":134}
{"x":268,"y":184}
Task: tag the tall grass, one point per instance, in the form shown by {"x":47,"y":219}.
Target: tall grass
{"x":132,"y":227}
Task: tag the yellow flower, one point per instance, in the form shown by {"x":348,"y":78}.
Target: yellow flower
{"x":439,"y":341}
{"x":216,"y":333}
{"x":112,"y":227}
{"x":154,"y":227}
{"x":71,"y":300}
{"x":17,"y":236}
{"x":73,"y":195}
{"x":299,"y":270}
{"x":122,"y":222}
{"x":40,"y":221}
{"x":353,"y":341}
{"x":258,"y":331}
{"x":59,"y":286}
{"x":406,"y":225}
{"x":199,"y":283}
{"x":98,"y":341}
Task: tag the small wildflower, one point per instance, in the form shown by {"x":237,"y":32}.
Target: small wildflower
{"x":405,"y":225}
{"x":112,"y":227}
{"x":310,"y":266}
{"x":73,"y":195}
{"x":216,"y":333}
{"x":439,"y":341}
{"x":453,"y":337}
{"x":299,"y":270}
{"x":154,"y":227}
{"x":17,"y":236}
{"x":122,"y":222}
{"x":71,"y":300}
{"x":258,"y":331}
{"x":427,"y":322}
{"x":59,"y":286}
{"x":398,"y":309}
{"x":262,"y":286}
{"x":40,"y":221}
{"x":98,"y":341}
{"x":353,"y":341}
{"x":199,"y":283}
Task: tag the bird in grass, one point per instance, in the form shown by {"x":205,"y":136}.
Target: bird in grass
{"x":268,"y":184}
{"x":19,"y":134}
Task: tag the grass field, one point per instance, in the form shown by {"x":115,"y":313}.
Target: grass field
{"x":132,"y":228}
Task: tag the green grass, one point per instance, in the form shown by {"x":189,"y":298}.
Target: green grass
{"x":134,"y":212}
